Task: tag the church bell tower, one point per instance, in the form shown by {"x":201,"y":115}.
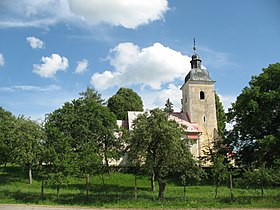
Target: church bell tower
{"x":198,"y":101}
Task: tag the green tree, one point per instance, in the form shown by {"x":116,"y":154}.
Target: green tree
{"x":168,"y":106}
{"x":221,"y":116}
{"x":123,"y":101}
{"x":59,"y":156}
{"x":156,"y":145}
{"x":103,"y":124}
{"x":7,"y":128}
{"x":27,"y":144}
{"x":219,"y":170}
{"x":84,"y":131}
{"x":260,"y":177}
{"x":256,"y":114}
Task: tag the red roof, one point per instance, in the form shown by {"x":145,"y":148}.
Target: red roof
{"x":192,"y":128}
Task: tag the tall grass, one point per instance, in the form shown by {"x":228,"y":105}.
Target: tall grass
{"x":118,"y":190}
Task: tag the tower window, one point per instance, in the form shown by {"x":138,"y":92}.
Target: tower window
{"x":202,"y":95}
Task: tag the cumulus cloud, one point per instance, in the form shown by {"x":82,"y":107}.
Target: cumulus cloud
{"x":35,"y":42}
{"x":157,"y":98}
{"x":30,"y":13}
{"x":50,"y":66}
{"x":151,"y":66}
{"x":81,"y":66}
{"x":129,"y":14}
{"x":2,"y":60}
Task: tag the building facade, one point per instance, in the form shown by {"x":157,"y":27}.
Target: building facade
{"x":198,"y":102}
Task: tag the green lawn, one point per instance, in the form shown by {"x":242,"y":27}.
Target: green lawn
{"x":119,"y":191}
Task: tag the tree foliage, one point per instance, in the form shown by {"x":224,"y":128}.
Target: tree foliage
{"x":256,"y":114}
{"x":7,"y":134}
{"x":260,"y":177}
{"x":81,"y":135}
{"x":27,"y":143}
{"x":168,"y":106}
{"x":156,"y":145}
{"x":221,"y":116}
{"x":123,"y":101}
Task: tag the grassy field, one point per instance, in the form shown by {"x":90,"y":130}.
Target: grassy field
{"x":119,"y":192}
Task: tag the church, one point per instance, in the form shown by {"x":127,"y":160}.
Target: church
{"x":198,"y":114}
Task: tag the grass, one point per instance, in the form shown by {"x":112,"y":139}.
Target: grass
{"x":118,"y":192}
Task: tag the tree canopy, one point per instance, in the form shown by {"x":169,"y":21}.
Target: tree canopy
{"x":80,"y":136}
{"x":123,"y":101}
{"x":7,"y":135}
{"x":256,"y":113}
{"x":156,"y":144}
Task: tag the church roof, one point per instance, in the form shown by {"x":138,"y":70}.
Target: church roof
{"x":192,"y":129}
{"x":198,"y":74}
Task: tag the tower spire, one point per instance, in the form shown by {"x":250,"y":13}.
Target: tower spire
{"x":195,"y":62}
{"x":194,"y":47}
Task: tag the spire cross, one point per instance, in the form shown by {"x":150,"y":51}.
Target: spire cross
{"x":194,"y":47}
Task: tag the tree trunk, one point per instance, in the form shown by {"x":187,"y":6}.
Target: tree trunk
{"x":30,"y":174}
{"x":105,"y":155}
{"x":161,"y":185}
{"x":57,"y":191}
{"x":87,"y":186}
{"x":185,"y":190}
{"x":262,"y":189}
{"x":216,"y":188}
{"x":42,"y":189}
{"x":231,"y":186}
{"x":153,"y":183}
{"x":135,"y":187}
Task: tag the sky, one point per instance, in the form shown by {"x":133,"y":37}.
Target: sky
{"x":52,"y":50}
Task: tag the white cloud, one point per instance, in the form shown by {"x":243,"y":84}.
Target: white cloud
{"x":35,"y":42}
{"x":151,"y":66}
{"x":126,"y":13}
{"x":227,"y":100}
{"x":157,"y":98}
{"x":50,"y":66}
{"x":81,"y":66}
{"x":2,"y":60}
{"x":29,"y":88}
{"x":30,"y":13}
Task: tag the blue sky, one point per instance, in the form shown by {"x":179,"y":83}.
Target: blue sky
{"x":51,"y":50}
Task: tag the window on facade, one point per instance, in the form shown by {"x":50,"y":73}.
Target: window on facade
{"x":202,"y":95}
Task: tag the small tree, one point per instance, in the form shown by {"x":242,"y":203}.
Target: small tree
{"x":27,"y":145}
{"x":219,"y":172}
{"x":189,"y":168}
{"x":261,"y":177}
{"x":168,"y":106}
{"x":156,"y":145}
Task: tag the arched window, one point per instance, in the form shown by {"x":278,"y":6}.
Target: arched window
{"x":202,"y":95}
